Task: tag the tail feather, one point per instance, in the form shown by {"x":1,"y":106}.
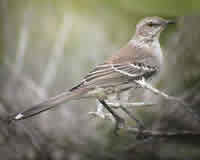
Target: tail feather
{"x":44,"y":106}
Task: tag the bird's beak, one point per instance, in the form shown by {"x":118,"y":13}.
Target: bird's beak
{"x":170,"y":22}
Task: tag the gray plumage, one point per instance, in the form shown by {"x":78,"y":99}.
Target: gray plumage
{"x":140,"y":58}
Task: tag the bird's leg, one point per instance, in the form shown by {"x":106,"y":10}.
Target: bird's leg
{"x":100,"y":112}
{"x":124,"y":96}
{"x":120,"y":123}
{"x":139,"y":123}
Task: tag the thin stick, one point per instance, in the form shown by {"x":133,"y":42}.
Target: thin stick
{"x":130,"y":105}
{"x":144,"y":84}
{"x":162,"y":133}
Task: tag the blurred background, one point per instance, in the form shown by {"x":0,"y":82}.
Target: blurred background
{"x":48,"y":46}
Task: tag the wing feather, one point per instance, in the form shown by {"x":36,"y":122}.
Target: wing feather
{"x":108,"y":74}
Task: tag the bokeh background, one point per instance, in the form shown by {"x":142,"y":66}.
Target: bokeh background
{"x":47,"y":46}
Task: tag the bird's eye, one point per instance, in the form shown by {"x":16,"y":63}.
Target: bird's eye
{"x":151,"y":24}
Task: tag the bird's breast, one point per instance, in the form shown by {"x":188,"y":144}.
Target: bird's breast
{"x":157,"y":52}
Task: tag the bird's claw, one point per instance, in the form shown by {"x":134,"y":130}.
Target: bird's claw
{"x":120,"y":123}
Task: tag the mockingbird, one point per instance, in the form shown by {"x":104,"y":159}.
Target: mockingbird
{"x":140,"y":59}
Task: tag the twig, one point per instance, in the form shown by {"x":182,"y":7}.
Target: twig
{"x":155,"y":133}
{"x":129,"y":105}
{"x":100,"y":109}
{"x":144,"y":84}
{"x":136,"y":145}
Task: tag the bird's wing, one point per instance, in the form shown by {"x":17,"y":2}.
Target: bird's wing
{"x":113,"y":74}
{"x":137,"y":70}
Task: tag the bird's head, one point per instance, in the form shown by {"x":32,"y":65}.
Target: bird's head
{"x":151,"y":27}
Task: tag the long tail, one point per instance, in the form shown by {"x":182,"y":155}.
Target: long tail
{"x":46,"y":105}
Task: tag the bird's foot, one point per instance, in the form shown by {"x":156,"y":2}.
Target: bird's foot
{"x":120,"y":123}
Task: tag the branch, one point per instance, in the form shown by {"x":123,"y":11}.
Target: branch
{"x":146,"y":85}
{"x":168,"y":134}
{"x":117,"y":105}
